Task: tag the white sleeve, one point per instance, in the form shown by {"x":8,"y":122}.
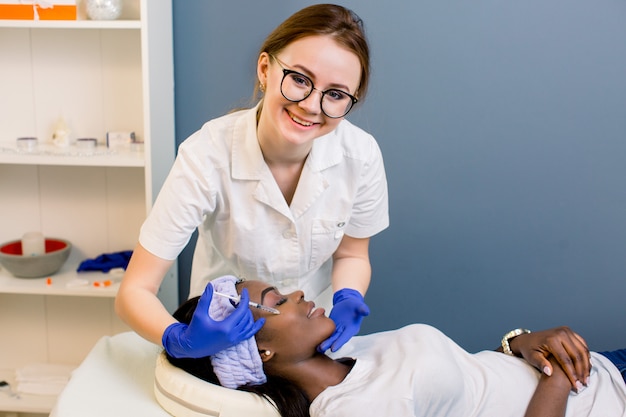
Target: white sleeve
{"x":182,"y":203}
{"x":370,"y":214}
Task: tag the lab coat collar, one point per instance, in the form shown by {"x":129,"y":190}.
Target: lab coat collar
{"x":247,"y":158}
{"x":248,"y":164}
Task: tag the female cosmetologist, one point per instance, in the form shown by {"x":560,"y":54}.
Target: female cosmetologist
{"x":289,"y":192}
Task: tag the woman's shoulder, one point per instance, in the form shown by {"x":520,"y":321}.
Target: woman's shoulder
{"x":349,"y":132}
{"x":227,"y":122}
{"x":422,"y":331}
{"x":350,"y":141}
{"x":216,"y":132}
{"x":404,"y":336}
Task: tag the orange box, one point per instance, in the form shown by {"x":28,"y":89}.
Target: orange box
{"x":32,"y":10}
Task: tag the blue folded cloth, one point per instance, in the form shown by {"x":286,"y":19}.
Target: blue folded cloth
{"x":106,"y":262}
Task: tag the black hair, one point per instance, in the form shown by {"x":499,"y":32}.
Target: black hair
{"x":287,"y":398}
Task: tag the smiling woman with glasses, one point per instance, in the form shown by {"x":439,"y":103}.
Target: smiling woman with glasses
{"x":297,"y":87}
{"x":288,"y":191}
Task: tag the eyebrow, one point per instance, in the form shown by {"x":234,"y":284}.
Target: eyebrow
{"x":310,"y":74}
{"x":265,"y":291}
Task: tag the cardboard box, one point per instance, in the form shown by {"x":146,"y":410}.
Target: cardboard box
{"x":38,"y":9}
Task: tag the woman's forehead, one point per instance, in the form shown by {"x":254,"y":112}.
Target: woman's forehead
{"x":257,"y":287}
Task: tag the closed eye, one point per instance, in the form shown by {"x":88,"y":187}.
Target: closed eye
{"x":273,"y":294}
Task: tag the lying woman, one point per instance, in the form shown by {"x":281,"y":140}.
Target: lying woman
{"x":412,"y":371}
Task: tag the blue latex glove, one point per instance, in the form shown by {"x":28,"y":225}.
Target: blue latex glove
{"x":204,"y":336}
{"x":348,"y":311}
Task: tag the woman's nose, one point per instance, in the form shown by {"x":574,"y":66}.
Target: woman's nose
{"x":313,"y":103}
{"x":298,"y":296}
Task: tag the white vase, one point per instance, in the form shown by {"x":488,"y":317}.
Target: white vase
{"x":104,"y":9}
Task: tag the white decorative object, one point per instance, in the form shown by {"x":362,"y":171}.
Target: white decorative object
{"x":104,"y":9}
{"x":28,"y":143}
{"x":61,"y":135}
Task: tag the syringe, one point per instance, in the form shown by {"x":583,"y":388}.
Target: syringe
{"x":251,"y":303}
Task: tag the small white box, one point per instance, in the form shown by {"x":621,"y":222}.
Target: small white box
{"x":120,"y":139}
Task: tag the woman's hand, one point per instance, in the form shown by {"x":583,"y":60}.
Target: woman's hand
{"x":550,"y":397}
{"x":348,"y":311}
{"x":568,"y":348}
{"x":204,"y":336}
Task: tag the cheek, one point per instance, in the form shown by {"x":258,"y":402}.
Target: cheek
{"x":314,"y":331}
{"x":328,"y":326}
{"x":264,"y":335}
{"x":330,"y":124}
{"x":288,"y":331}
{"x":274,"y":99}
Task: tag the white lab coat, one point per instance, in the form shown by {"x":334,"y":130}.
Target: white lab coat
{"x":221,"y":184}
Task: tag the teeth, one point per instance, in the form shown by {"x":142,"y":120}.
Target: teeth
{"x":300,"y":121}
{"x":311,"y":312}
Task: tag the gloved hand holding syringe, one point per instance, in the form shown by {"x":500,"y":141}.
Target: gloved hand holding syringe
{"x":250,"y":303}
{"x":204,"y":336}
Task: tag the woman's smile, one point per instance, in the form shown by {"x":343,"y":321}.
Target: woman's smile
{"x":316,"y":312}
{"x":300,"y":121}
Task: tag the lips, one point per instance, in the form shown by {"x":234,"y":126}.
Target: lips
{"x":315,"y":311}
{"x":300,"y":121}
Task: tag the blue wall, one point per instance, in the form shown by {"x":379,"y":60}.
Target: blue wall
{"x":503,"y":127}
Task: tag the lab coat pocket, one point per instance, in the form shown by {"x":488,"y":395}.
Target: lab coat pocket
{"x":326,"y":236}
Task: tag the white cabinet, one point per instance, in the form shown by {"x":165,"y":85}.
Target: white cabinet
{"x":97,"y":76}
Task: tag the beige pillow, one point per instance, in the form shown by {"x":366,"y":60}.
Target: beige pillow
{"x":183,"y":395}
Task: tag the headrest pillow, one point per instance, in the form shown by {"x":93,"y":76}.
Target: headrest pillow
{"x":184,"y":395}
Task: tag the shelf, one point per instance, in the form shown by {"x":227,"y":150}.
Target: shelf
{"x":99,"y":76}
{"x":40,"y":404}
{"x":26,"y":403}
{"x":71,"y":24}
{"x":72,"y":156}
{"x":63,"y":283}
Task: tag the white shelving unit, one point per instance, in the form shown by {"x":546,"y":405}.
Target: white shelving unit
{"x":97,"y":76}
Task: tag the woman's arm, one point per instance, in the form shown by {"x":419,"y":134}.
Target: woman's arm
{"x":567,"y":348}
{"x":351,"y":265}
{"x":136,"y":302}
{"x":350,"y":279}
{"x":550,"y":397}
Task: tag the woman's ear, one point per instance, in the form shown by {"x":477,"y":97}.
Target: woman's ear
{"x":263,"y":68}
{"x":266,"y":354}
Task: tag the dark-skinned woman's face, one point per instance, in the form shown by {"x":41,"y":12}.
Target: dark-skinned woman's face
{"x":298,"y":329}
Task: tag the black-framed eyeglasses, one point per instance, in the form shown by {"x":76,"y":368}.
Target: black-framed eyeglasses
{"x":296,"y":87}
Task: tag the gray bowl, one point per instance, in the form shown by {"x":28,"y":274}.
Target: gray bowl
{"x":38,"y":266}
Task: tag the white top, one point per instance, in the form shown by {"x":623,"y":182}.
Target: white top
{"x":418,"y":371}
{"x":221,"y":184}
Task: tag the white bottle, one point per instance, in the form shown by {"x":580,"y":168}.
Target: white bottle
{"x":33,"y":244}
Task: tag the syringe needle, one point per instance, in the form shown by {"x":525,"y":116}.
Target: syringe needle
{"x":250,"y":303}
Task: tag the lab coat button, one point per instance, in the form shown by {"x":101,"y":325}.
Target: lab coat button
{"x":287,"y":234}
{"x":341,"y":224}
